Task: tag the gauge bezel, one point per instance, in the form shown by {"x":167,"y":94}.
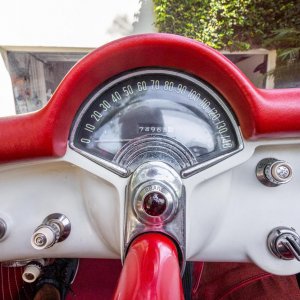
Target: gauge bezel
{"x":187,"y":172}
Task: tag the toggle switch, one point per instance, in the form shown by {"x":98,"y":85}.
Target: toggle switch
{"x":54,"y":229}
{"x":284,"y":242}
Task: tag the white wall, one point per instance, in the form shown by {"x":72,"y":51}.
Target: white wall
{"x":66,"y":23}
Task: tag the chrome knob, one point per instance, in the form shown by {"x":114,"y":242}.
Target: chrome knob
{"x":55,"y":228}
{"x":2,"y":228}
{"x":284,"y":242}
{"x":273,"y":172}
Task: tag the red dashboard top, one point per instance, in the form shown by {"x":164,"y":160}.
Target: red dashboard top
{"x":261,"y":113}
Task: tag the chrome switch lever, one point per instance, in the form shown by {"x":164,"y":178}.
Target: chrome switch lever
{"x":293,"y":244}
{"x":284,"y":242}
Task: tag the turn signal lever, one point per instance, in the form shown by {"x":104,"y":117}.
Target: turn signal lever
{"x":284,"y":242}
{"x":55,"y":228}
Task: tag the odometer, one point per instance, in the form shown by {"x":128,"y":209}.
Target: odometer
{"x":155,"y":114}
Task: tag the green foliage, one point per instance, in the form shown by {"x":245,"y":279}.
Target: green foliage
{"x":287,"y":41}
{"x":226,"y":24}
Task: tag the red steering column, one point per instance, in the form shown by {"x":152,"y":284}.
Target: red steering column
{"x":151,"y":270}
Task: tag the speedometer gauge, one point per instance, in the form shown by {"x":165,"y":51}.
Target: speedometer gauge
{"x":155,"y":114}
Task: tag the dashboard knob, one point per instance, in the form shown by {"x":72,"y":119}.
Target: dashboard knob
{"x":2,"y":228}
{"x":273,"y":172}
{"x":45,"y":236}
{"x":284,"y":242}
{"x":55,"y":228}
{"x":33,"y":270}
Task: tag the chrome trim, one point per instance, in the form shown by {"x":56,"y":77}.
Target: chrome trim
{"x":58,"y":224}
{"x":102,"y":162}
{"x":266,"y":172}
{"x":184,"y":173}
{"x":172,"y":223}
{"x":284,"y":243}
{"x":159,"y":172}
{"x":165,"y":149}
{"x":62,"y":221}
{"x":202,"y":166}
{"x":3,"y":228}
{"x":15,"y":263}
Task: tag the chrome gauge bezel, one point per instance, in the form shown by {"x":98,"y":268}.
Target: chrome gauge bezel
{"x":186,"y":172}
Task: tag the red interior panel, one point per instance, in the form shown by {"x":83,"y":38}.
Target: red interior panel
{"x":261,"y":113}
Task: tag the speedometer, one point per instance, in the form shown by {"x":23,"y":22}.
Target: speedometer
{"x":155,"y":114}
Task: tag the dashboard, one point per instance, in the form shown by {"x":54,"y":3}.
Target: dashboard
{"x":153,"y":98}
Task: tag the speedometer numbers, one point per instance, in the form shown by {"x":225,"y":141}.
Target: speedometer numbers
{"x":155,"y":114}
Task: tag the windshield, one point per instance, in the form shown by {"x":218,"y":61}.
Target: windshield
{"x":35,"y":59}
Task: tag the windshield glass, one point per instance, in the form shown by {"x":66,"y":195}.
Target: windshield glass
{"x":264,"y":44}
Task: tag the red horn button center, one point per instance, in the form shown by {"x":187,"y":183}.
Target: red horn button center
{"x":154,"y":204}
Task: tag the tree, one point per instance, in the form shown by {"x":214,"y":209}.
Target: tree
{"x":226,"y":24}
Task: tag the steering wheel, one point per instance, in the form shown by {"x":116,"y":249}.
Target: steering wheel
{"x":154,"y":133}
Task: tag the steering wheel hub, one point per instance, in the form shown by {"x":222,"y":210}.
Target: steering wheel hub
{"x":155,"y":203}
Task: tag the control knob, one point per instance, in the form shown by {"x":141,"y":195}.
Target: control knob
{"x":55,"y":228}
{"x":273,"y":172}
{"x":2,"y":228}
{"x":33,"y":270}
{"x":284,"y":242}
